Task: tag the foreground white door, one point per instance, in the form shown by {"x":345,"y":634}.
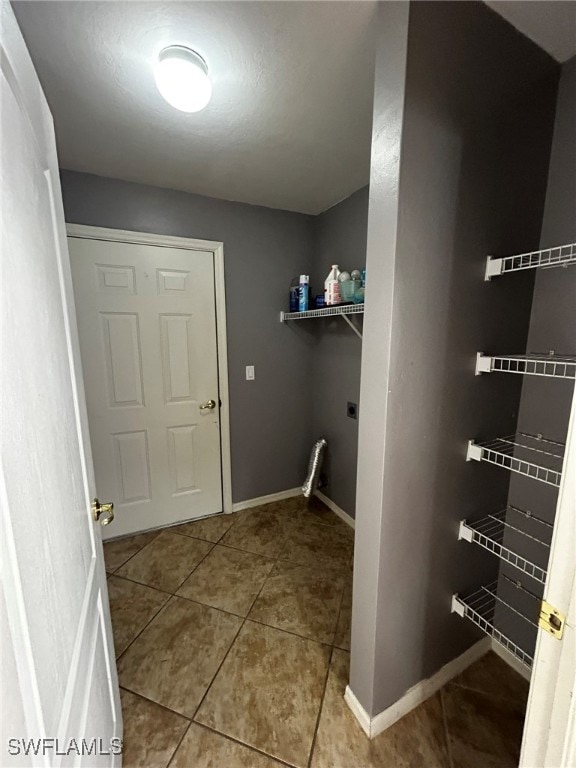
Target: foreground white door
{"x":550,"y":727}
{"x":58,"y":669}
{"x":147,"y":325}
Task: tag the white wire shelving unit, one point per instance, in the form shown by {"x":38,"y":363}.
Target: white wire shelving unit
{"x":559,"y":256}
{"x":530,"y":455}
{"x":337,"y":311}
{"x":537,"y":364}
{"x":504,"y":534}
{"x":498,"y":619}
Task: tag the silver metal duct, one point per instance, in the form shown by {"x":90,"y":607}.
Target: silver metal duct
{"x":314,"y":467}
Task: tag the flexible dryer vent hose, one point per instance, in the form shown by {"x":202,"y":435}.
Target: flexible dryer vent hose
{"x":314,"y":467}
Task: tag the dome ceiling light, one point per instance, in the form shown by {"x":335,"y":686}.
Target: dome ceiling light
{"x":182,"y":78}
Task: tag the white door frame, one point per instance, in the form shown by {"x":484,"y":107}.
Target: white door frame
{"x":190,"y":244}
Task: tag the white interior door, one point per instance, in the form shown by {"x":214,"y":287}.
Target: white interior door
{"x":550,"y":727}
{"x":59,"y":674}
{"x":147,"y":325}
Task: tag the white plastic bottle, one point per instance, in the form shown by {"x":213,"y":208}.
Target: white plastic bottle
{"x":332,"y":294}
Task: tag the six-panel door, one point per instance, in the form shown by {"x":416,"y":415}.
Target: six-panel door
{"x":147,"y":324}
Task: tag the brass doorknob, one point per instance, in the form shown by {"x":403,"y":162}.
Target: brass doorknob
{"x":208,"y":406}
{"x":99,"y":509}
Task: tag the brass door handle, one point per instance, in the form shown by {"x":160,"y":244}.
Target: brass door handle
{"x":208,"y":406}
{"x":99,"y":509}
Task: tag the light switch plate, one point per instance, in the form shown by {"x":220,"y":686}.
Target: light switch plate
{"x":250,"y":375}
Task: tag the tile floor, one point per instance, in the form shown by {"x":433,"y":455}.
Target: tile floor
{"x":232,"y":636}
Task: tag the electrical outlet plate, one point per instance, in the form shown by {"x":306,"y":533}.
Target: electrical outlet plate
{"x":250,"y":374}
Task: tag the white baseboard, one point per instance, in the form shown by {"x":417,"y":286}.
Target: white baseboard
{"x":280,"y":496}
{"x":417,"y":694}
{"x":336,"y":509}
{"x":511,"y":660}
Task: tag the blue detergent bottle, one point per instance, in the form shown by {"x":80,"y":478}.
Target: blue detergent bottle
{"x":303,"y":293}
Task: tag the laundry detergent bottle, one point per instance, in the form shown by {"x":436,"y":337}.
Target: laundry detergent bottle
{"x":332,"y":293}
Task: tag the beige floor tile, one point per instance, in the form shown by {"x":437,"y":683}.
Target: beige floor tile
{"x":228,"y":579}
{"x":258,"y":531}
{"x":493,"y":676}
{"x":322,"y":515}
{"x":344,"y":626}
{"x":300,"y":599}
{"x":416,"y":741}
{"x":117,"y":552}
{"x":166,"y":562}
{"x":483,"y":731}
{"x":151,"y":733}
{"x":175,"y":658}
{"x":317,"y":545}
{"x":202,"y":748}
{"x":268,"y":692}
{"x":210,"y":528}
{"x":131,"y":606}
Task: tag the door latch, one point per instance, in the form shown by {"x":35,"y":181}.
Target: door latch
{"x":99,"y":509}
{"x":551,"y":620}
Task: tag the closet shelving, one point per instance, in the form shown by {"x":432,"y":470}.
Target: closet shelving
{"x":559,"y":256}
{"x":497,"y":530}
{"x":530,"y":455}
{"x":497,"y":618}
{"x":341,"y":310}
{"x":550,"y":365}
{"x":518,"y":537}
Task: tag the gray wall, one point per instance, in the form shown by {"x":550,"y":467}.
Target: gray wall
{"x":339,"y":238}
{"x":545,"y":403}
{"x":263,"y":250}
{"x":476,"y":134}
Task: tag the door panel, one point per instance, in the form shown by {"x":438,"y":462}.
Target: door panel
{"x":146,"y":318}
{"x":52,"y":562}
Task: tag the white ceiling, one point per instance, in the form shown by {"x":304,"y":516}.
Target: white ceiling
{"x":290,"y":119}
{"x":289,"y":123}
{"x":551,"y":24}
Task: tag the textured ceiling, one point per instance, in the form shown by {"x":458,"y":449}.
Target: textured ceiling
{"x":290,"y":119}
{"x":551,"y":24}
{"x":289,"y":122}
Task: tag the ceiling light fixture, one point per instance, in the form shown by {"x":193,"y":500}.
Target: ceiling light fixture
{"x":182,"y":78}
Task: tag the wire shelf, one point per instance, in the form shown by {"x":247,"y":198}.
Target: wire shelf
{"x":498,"y":619}
{"x":559,"y":256}
{"x":346,"y":309}
{"x":537,"y":364}
{"x":519,"y":453}
{"x":529,"y":535}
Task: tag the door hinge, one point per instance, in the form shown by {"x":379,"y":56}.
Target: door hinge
{"x":551,"y":620}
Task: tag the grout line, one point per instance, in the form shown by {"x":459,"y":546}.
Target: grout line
{"x":446,"y":733}
{"x":132,"y":555}
{"x":169,"y":763}
{"x":131,"y":643}
{"x":243,"y":744}
{"x":156,"y":703}
{"x":141,"y":584}
{"x":320,"y":708}
{"x":230,"y":648}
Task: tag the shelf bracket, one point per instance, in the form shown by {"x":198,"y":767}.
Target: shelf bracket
{"x":483,"y":364}
{"x":351,"y":324}
{"x":474,"y":452}
{"x":493,"y":268}
{"x":464,"y":532}
{"x":457,"y":606}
